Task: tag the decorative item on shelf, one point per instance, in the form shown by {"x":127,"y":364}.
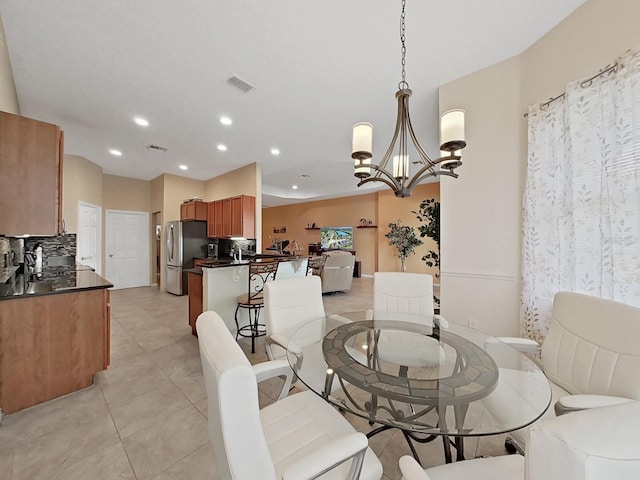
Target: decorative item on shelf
{"x":363,"y":222}
{"x":452,"y":139}
{"x":403,"y":237}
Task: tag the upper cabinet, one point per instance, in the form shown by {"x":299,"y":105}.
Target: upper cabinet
{"x":243,"y":216}
{"x":31,"y":155}
{"x":193,"y":210}
{"x":232,"y":217}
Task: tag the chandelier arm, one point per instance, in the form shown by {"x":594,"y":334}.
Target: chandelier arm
{"x":428,"y":171}
{"x":425,"y":157}
{"x":393,"y":185}
{"x":389,"y":152}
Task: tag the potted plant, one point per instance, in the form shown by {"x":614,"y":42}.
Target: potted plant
{"x":429,"y":213}
{"x":403,"y":237}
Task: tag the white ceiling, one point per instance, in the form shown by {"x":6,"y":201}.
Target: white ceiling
{"x":318,"y":67}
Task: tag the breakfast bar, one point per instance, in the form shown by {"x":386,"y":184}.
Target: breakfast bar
{"x":223,"y":281}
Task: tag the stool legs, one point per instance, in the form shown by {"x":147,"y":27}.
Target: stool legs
{"x":253,"y":327}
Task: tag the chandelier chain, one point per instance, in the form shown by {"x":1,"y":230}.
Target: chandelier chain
{"x":403,"y":83}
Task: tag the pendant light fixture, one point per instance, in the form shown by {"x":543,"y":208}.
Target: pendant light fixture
{"x":398,"y":175}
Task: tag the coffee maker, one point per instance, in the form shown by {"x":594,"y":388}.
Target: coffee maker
{"x":212,"y":251}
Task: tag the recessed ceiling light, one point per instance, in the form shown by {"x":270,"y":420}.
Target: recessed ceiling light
{"x":222,"y":148}
{"x":184,"y":167}
{"x":115,"y":152}
{"x":143,"y":122}
{"x":275,"y":151}
{"x":295,"y":187}
{"x":226,"y":121}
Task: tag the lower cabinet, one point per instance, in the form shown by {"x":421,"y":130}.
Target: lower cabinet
{"x":195,"y":299}
{"x":51,"y":345}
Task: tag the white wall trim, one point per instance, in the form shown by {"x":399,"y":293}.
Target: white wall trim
{"x":480,"y":275}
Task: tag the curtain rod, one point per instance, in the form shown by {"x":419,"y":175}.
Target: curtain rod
{"x":584,"y":84}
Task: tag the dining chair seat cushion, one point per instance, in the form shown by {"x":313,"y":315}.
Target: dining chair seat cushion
{"x":299,"y":425}
{"x":253,"y":301}
{"x":505,"y":467}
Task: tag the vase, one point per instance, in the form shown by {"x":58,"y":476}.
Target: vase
{"x":403,"y":267}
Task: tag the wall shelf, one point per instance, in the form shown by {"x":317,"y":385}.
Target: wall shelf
{"x":312,"y":228}
{"x":367,"y":226}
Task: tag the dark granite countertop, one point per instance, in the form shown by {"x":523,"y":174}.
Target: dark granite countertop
{"x":51,"y":281}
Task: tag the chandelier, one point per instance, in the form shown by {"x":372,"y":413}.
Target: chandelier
{"x":452,"y":140}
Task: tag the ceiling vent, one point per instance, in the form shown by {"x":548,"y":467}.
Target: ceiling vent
{"x":240,"y":84}
{"x":156,"y":148}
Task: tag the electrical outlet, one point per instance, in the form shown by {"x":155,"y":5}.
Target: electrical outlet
{"x":473,"y":323}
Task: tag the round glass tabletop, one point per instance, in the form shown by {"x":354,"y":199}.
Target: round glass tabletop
{"x":419,"y":374}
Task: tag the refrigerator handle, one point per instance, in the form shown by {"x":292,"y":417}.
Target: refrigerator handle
{"x":170,"y":242}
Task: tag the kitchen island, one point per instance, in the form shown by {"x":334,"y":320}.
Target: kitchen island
{"x":224,"y":281}
{"x":54,"y":334}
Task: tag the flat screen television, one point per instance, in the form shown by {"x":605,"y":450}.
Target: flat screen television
{"x":332,"y":238}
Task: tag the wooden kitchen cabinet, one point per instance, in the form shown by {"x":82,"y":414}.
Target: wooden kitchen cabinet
{"x":243,"y":216}
{"x":51,"y":345}
{"x":193,"y":211}
{"x":31,"y":154}
{"x":226,"y":217}
{"x":232,"y":217}
{"x":195,"y":299}
{"x":214,"y":219}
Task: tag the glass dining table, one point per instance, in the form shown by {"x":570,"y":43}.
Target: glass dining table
{"x":425,"y":376}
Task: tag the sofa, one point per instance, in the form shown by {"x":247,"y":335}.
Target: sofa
{"x":337,"y":273}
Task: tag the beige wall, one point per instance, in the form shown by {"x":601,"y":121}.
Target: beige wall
{"x":336,"y":212}
{"x":82,"y":181}
{"x":8,"y":94}
{"x":122,"y":193}
{"x":176,"y":190}
{"x":481,"y":211}
{"x":392,"y":209}
{"x":371,"y":245}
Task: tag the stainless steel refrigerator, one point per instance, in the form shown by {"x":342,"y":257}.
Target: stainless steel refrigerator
{"x":185,"y":241}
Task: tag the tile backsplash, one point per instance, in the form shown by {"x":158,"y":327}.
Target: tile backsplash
{"x":5,"y":252}
{"x":60,"y":250}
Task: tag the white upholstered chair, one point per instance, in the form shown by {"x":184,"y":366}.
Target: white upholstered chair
{"x":337,"y":274}
{"x":297,"y":437}
{"x":596,"y":444}
{"x":403,"y":292}
{"x":591,"y":356}
{"x":289,"y":304}
{"x":400,"y":292}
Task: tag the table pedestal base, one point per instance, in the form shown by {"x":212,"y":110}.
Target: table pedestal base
{"x":410,"y":437}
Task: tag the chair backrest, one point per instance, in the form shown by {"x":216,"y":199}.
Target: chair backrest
{"x":261,"y":272}
{"x":592,"y":444}
{"x":233,"y":411}
{"x":403,"y":292}
{"x":592,"y":346}
{"x":315,"y":265}
{"x":337,"y":274}
{"x":290,"y":303}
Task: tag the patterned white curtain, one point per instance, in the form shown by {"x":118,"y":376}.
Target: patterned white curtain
{"x":581,"y":229}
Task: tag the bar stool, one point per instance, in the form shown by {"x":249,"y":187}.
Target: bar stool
{"x":315,"y":265}
{"x":260,"y":272}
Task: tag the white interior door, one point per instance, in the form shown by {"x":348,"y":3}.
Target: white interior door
{"x":127,"y":248}
{"x":89,"y":249}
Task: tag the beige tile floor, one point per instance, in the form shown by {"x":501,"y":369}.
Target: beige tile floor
{"x":145,"y":417}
